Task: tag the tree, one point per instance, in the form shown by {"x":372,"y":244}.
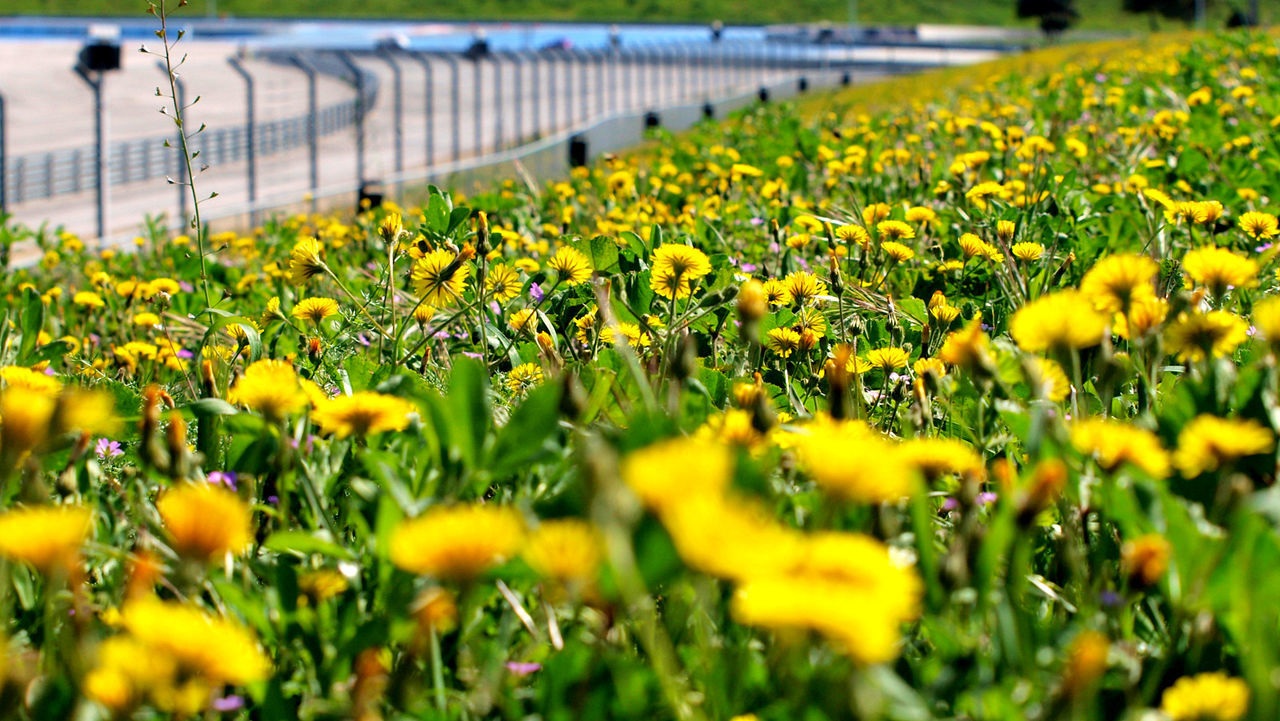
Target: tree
{"x":1055,"y":15}
{"x":1184,"y":10}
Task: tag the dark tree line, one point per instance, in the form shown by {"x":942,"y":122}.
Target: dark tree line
{"x":1058,"y":15}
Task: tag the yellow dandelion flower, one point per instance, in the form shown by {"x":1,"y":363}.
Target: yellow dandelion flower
{"x":315,"y":310}
{"x":47,"y":537}
{"x":1259,"y":225}
{"x":270,"y":387}
{"x":306,"y":260}
{"x":1220,"y":269}
{"x":1114,"y":444}
{"x":457,"y":542}
{"x":1207,"y":443}
{"x":524,"y":377}
{"x":1027,"y":251}
{"x":362,"y":413}
{"x":895,"y":230}
{"x":666,"y":472}
{"x":897,"y":252}
{"x":1115,"y":283}
{"x":502,"y":283}
{"x":783,"y":341}
{"x":572,"y":266}
{"x":854,"y":462}
{"x":568,"y":551}
{"x":1196,"y":336}
{"x":204,"y":521}
{"x":1058,"y":321}
{"x":440,"y":277}
{"x":1206,"y":697}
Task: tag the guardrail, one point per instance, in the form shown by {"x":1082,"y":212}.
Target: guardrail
{"x":527,"y":96}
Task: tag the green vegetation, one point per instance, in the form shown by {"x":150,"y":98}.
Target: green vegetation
{"x":1094,"y":14}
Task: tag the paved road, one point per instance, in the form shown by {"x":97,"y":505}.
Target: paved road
{"x":48,"y":109}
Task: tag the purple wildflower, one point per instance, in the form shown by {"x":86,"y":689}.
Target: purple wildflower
{"x":228,"y":703}
{"x":108,"y":449}
{"x":523,"y":669}
{"x":223,"y":478}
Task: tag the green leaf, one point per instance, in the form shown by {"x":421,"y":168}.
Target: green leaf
{"x":468,"y":406}
{"x":304,"y":543}
{"x":524,"y":438}
{"x":32,"y":322}
{"x":212,"y":407}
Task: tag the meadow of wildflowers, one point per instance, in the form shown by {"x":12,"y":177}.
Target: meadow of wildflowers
{"x":953,"y":397}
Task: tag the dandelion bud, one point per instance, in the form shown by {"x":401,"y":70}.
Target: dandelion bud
{"x":176,"y":439}
{"x":435,"y":610}
{"x":314,"y":348}
{"x":752,"y":301}
{"x":1086,"y":662}
{"x":573,"y":398}
{"x":1005,"y":229}
{"x":482,"y":232}
{"x":207,"y":382}
{"x":837,"y":282}
{"x":1145,"y":559}
{"x":391,"y":228}
{"x":1047,"y":481}
{"x":686,"y":365}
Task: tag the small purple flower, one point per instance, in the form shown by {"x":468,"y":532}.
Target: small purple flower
{"x":362,"y":339}
{"x":1263,"y":248}
{"x":749,"y":267}
{"x":441,"y":335}
{"x":49,"y":371}
{"x":950,"y":504}
{"x":273,"y":500}
{"x":228,"y":703}
{"x":108,"y":449}
{"x":757,"y":221}
{"x":774,"y":247}
{"x":1110,"y":598}
{"x":493,"y":306}
{"x":184,"y":353}
{"x":185,"y":286}
{"x":469,"y":354}
{"x":523,"y":669}
{"x":536,"y":293}
{"x":986,"y":498}
{"x":223,"y":478}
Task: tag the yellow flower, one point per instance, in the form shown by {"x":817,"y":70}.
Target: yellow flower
{"x":205,"y":522}
{"x":730,"y":537}
{"x":665,"y":473}
{"x":270,"y":387}
{"x":25,"y":415}
{"x":1207,"y":443}
{"x":803,"y":287}
{"x":1114,"y":443}
{"x":1048,"y":380}
{"x":1027,"y":251}
{"x":315,"y":309}
{"x":524,"y":376}
{"x":854,"y":462}
{"x":457,"y":542}
{"x":895,"y":230}
{"x":439,"y":278}
{"x":1086,"y":662}
{"x":1196,"y":336}
{"x":937,"y":457}
{"x":502,"y":283}
{"x":568,"y":551}
{"x":888,"y":359}
{"x":844,"y":586}
{"x":1266,"y":318}
{"x":782,"y":341}
{"x":176,"y":656}
{"x":1115,"y":283}
{"x":1144,"y":317}
{"x":88,"y":299}
{"x":1220,"y":269}
{"x":1058,"y":321}
{"x":775,"y":291}
{"x":572,"y":266}
{"x":306,"y":260}
{"x":22,"y":377}
{"x":1259,"y":225}
{"x":523,"y":320}
{"x":898,"y":252}
{"x":968,"y":348}
{"x":680,"y":261}
{"x":1206,"y":697}
{"x":855,"y":234}
{"x":1145,"y":559}
{"x":362,"y":413}
{"x":47,"y":537}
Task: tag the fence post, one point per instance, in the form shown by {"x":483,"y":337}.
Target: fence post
{"x":358,"y":82}
{"x":397,"y":106}
{"x":251,"y":130}
{"x":4,"y":161}
{"x":313,"y":140}
{"x":567,"y":56}
{"x":517,"y":89}
{"x":497,"y":101}
{"x":584,"y":80}
{"x":101,"y":194}
{"x":455,"y":100}
{"x":600,"y":56}
{"x":429,"y":109}
{"x":535,"y":70}
{"x":477,"y":104}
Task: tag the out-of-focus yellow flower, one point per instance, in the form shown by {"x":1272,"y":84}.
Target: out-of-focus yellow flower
{"x":458,"y":542}
{"x":205,"y":522}
{"x":362,"y":413}
{"x":1208,"y":443}
{"x":47,"y":537}
{"x":1206,"y":697}
{"x":1115,"y":443}
{"x":1059,"y":321}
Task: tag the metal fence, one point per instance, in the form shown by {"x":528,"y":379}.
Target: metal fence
{"x":511,"y":98}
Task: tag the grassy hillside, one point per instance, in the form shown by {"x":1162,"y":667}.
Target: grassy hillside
{"x":1104,"y":14}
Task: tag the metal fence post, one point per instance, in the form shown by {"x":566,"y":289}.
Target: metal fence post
{"x":251,"y":130}
{"x":397,"y":101}
{"x":101,"y":194}
{"x":600,"y":56}
{"x":517,"y":89}
{"x":477,"y":92}
{"x":358,"y":82}
{"x":428,"y":104}
{"x":535,"y":70}
{"x":584,"y":80}
{"x":551,"y":92}
{"x":455,"y":100}
{"x":497,"y":101}
{"x":313,"y":140}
